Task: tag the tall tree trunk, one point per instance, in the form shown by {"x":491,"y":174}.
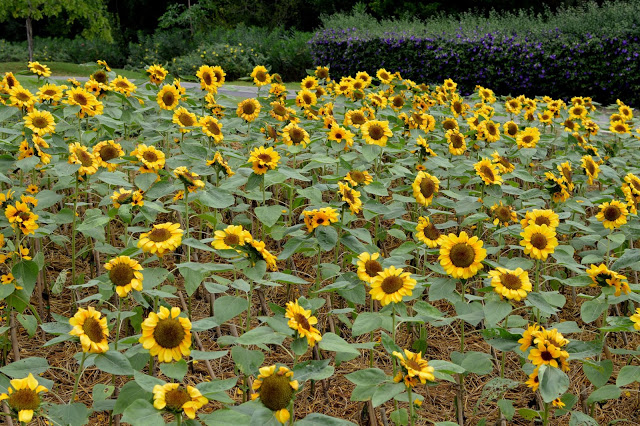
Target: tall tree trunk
{"x":30,"y":38}
{"x":190,"y":17}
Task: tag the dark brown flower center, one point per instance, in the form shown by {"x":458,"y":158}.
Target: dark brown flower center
{"x":412,"y":364}
{"x":159,"y":235}
{"x":542,"y":220}
{"x":539,"y":241}
{"x":279,"y":109}
{"x":491,"y":129}
{"x":276,"y":392}
{"x":462,"y":255}
{"x":431,"y":232}
{"x":93,"y":330}
{"x":213,"y":127}
{"x":503,"y":213}
{"x":620,"y":128}
{"x":207,"y":78}
{"x":40,"y":122}
{"x":297,"y":135}
{"x":323,"y":73}
{"x":376,"y":132}
{"x":49,"y":92}
{"x":261,"y":76}
{"x":590,"y":166}
{"x":169,"y":333}
{"x":487,"y":173}
{"x":176,"y":398}
{"x":168,"y":98}
{"x":527,"y":139}
{"x":611,"y":213}
{"x":512,"y":129}
{"x":546,"y":356}
{"x":265,"y":158}
{"x":24,"y":399}
{"x":569,"y":124}
{"x":85,"y":158}
{"x":456,"y":141}
{"x":231,"y":239}
{"x":358,"y":118}
{"x":108,"y":152}
{"x":372,"y":267}
{"x":384,"y":76}
{"x":511,"y":281}
{"x":568,"y":175}
{"x":302,"y":321}
{"x":186,"y":119}
{"x":449,"y":124}
{"x":357,"y":176}
{"x":307,"y":99}
{"x":457,"y":107}
{"x":427,"y":187}
{"x":391,"y":284}
{"x":248,"y":108}
{"x":23,"y":96}
{"x":100,"y":77}
{"x":121,"y":274}
{"x":80,"y":99}
{"x":123,"y":85}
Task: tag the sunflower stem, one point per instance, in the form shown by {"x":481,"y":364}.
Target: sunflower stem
{"x":249,"y":297}
{"x":178,"y":419}
{"x":462,"y":298}
{"x":393,"y":334}
{"x":410,"y":405}
{"x":536,"y":311}
{"x":73,"y":241}
{"x":545,"y":414}
{"x":371,"y":335}
{"x":78,"y":374}
{"x":504,"y":354}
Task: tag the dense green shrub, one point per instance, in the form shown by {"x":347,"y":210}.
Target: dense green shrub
{"x":567,"y":54}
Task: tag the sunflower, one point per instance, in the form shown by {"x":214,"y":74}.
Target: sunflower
{"x":263,"y":159}
{"x":322,"y":72}
{"x":306,"y":98}
{"x":539,"y":241}
{"x":188,"y":178}
{"x":122,"y":197}
{"x":22,"y":397}
{"x":488,"y":131}
{"x":413,"y":365}
{"x":514,"y":285}
{"x":377,"y":100}
{"x":635,"y":318}
{"x":450,"y":124}
{"x":231,"y":237}
{"x":357,"y":177}
{"x":391,"y":285}
{"x":620,"y":127}
{"x":40,"y":122}
{"x":547,"y":354}
{"x":33,"y":189}
{"x":157,"y":73}
{"x":8,"y":279}
{"x":82,"y":98}
{"x":168,"y":97}
{"x":89,"y":325}
{"x":503,"y":214}
{"x":292,"y":134}
{"x":106,"y":151}
{"x":384,"y":76}
{"x":21,"y":98}
{"x":351,"y":197}
{"x":488,"y":172}
{"x":125,"y":273}
{"x":208,"y":78}
{"x":634,"y":183}
{"x":355,"y":118}
{"x":340,"y":134}
{"x":248,"y":110}
{"x":166,"y":335}
{"x":425,"y":186}
{"x":612,"y":215}
{"x":602,"y":276}
{"x":425,"y":149}
{"x":427,"y":233}
{"x":503,"y":163}
{"x":534,"y":381}
{"x":456,"y":140}
{"x":540,"y":217}
{"x":122,"y":85}
{"x":275,"y":389}
{"x":164,"y":237}
{"x":510,"y":128}
{"x":149,"y":156}
{"x":260,"y":76}
{"x":175,"y":398}
{"x":487,"y":95}
{"x":461,"y":256}
{"x":39,"y":69}
{"x":80,"y":154}
{"x":220,"y":165}
{"x":591,"y":168}
{"x":368,"y":266}
{"x":183,"y":118}
{"x":322,"y":217}
{"x":567,"y":174}
{"x":302,"y":322}
{"x":258,"y":248}
{"x":530,"y":334}
{"x":50,"y":92}
{"x":556,"y":187}
{"x":528,"y":138}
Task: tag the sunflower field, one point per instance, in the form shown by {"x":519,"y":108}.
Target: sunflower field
{"x":371,"y":250}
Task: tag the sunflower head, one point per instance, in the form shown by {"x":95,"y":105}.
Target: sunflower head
{"x":276,"y":388}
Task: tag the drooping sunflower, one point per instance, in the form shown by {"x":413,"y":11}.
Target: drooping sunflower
{"x":357,"y":177}
{"x":319,"y":217}
{"x":258,"y":248}
{"x":503,"y":163}
{"x":488,"y":172}
{"x":461,"y":256}
{"x":157,"y":73}
{"x":263,"y":159}
{"x":602,"y":276}
{"x":166,"y":335}
{"x":612,"y":215}
{"x":425,"y":186}
{"x":368,"y":266}
{"x":503,"y":215}
{"x":340,"y":134}
{"x":260,"y":76}
{"x":414,"y":366}
{"x":351,"y":197}
{"x":302,"y":322}
{"x":105,"y":151}
{"x":275,"y":389}
{"x":220,"y":165}
{"x":556,"y":187}
{"x":80,"y":154}
{"x":528,"y":138}
{"x":207,"y":78}
{"x":40,"y":122}
{"x":539,"y":241}
{"x":175,"y":397}
{"x":168,"y":97}
{"x":591,"y":168}
{"x":248,"y":110}
{"x":122,"y":85}
{"x":427,"y":233}
{"x":292,"y":134}
{"x":567,"y":174}
{"x":125,"y":273}
{"x":456,"y":140}
{"x":162,"y":238}
{"x":231,"y":237}
{"x":149,"y":156}
{"x":391,"y":285}
{"x":512,"y":284}
{"x":634,"y":183}
{"x":188,"y":178}
{"x":22,"y":397}
{"x":91,"y":327}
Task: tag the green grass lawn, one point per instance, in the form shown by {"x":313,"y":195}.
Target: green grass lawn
{"x":85,"y":70}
